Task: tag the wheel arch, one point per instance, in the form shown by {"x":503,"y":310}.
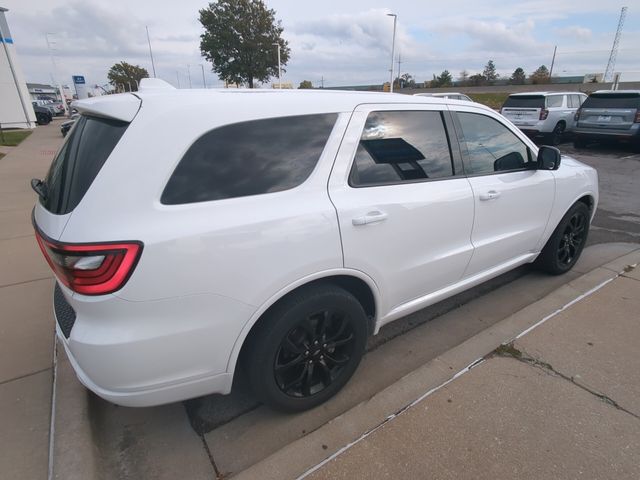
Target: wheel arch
{"x":588,"y":198}
{"x":355,"y":282}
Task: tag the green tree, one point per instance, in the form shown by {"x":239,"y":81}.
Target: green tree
{"x":443,"y":80}
{"x":407,"y":81}
{"x":125,"y":76}
{"x":477,"y":79}
{"x":541,"y":75}
{"x":518,"y":77}
{"x":239,"y":38}
{"x":306,"y":84}
{"x":489,"y":72}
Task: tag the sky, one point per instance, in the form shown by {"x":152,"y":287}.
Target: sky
{"x":334,"y":41}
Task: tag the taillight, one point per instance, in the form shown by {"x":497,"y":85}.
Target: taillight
{"x":576,"y":116}
{"x":91,"y":269}
{"x":544,"y":113}
{"x":637,"y":119}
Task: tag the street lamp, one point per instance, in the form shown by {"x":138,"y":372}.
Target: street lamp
{"x":189,"y":73}
{"x":279,"y":68}
{"x":393,"y":45}
{"x":204,"y":84}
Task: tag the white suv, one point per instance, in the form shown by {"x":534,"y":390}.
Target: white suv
{"x":544,"y":114}
{"x":194,"y":231}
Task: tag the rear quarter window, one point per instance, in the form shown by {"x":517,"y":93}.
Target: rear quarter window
{"x":249,"y":158}
{"x":78,"y":162}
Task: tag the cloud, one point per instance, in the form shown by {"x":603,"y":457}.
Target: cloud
{"x":574,"y":32}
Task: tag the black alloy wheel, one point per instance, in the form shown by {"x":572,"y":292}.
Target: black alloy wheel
{"x":557,"y":134}
{"x":565,"y":245}
{"x":306,"y":347}
{"x":314,"y":353}
{"x":573,"y":239}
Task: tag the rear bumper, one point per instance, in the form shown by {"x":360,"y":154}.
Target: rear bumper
{"x":629,"y":134}
{"x":139,"y":354}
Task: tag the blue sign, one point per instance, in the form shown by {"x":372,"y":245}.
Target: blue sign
{"x":78,"y":79}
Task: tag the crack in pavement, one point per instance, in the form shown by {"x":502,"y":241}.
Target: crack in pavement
{"x":510,"y":351}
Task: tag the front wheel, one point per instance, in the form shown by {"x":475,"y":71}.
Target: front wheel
{"x":564,"y":247}
{"x":307,"y":348}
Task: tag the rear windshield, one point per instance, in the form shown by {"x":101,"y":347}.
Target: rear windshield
{"x":525,"y":101}
{"x":616,"y":100}
{"x":72,"y":172}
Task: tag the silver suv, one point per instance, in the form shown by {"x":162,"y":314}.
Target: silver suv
{"x":543,"y":114}
{"x":609,"y":115}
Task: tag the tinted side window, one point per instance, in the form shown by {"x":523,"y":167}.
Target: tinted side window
{"x":249,"y":158}
{"x":492,"y":147}
{"x":398,"y":147}
{"x":78,"y":162}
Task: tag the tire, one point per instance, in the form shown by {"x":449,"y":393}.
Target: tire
{"x":42,"y":119}
{"x":306,"y":349}
{"x":567,"y":241}
{"x":555,"y":137}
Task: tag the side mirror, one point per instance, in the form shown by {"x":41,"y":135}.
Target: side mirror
{"x":548,"y":158}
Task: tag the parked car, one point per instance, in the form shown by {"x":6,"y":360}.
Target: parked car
{"x":66,"y":126}
{"x":450,"y":95}
{"x":58,"y":108}
{"x":43,"y":115}
{"x":46,"y":106}
{"x":609,"y":115}
{"x":281,"y":230}
{"x":543,"y":114}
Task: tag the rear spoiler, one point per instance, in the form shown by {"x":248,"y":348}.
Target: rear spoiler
{"x":122,"y":106}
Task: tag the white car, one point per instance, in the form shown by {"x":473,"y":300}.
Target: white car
{"x":194,"y":231}
{"x":449,"y":95}
{"x":544,"y":114}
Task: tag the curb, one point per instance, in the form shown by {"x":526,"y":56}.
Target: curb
{"x":304,"y":456}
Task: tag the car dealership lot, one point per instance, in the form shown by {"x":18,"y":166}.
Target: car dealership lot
{"x":237,"y":432}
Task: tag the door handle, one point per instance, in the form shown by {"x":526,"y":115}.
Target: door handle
{"x":371,"y":217}
{"x":490,"y":195}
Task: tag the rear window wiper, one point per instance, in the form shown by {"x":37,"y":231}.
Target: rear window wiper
{"x":39,"y":187}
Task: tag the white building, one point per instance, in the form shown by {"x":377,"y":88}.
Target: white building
{"x":15,"y":103}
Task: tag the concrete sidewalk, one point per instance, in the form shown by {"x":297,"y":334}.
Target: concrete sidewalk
{"x":26,"y":324}
{"x":562,"y":401}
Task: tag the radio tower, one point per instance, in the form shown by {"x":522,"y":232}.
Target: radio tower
{"x":608,"y":73}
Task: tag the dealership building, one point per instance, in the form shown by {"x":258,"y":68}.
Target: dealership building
{"x":16,"y":110}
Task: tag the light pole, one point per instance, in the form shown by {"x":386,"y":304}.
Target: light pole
{"x":279,"y":67}
{"x":153,"y":65}
{"x":189,"y":73}
{"x":55,"y":72}
{"x":393,"y":46}
{"x":204,"y":84}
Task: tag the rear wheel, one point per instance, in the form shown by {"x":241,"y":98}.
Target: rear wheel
{"x":564,"y":247}
{"x":42,"y":119}
{"x":556,"y":136}
{"x":307,"y":348}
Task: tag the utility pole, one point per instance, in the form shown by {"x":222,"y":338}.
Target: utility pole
{"x":553,"y":60}
{"x":55,"y":73}
{"x":279,"y":67}
{"x":608,"y":73}
{"x":399,"y":63}
{"x":322,"y":82}
{"x":393,"y":46}
{"x":189,"y":74}
{"x":178,"y":77}
{"x":204,"y":84}
{"x":153,"y":65}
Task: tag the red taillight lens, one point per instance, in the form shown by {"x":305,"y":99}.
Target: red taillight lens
{"x":91,"y":269}
{"x":576,"y":117}
{"x":544,"y":113}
